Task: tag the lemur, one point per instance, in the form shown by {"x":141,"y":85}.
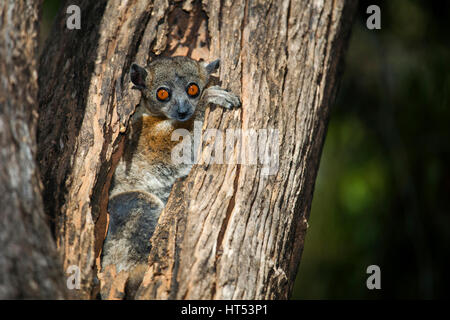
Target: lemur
{"x":175,"y":92}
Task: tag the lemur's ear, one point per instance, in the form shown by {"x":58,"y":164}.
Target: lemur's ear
{"x":213,"y":66}
{"x":137,"y":76}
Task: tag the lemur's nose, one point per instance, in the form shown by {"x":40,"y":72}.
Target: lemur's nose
{"x":183,"y":108}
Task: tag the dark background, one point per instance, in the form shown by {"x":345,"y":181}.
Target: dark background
{"x":383,"y":186}
{"x":382,"y":193}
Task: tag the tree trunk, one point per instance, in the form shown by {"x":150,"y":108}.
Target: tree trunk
{"x":231,"y":231}
{"x":29,"y":268}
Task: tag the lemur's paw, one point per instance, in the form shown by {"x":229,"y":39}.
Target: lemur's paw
{"x":221,"y":97}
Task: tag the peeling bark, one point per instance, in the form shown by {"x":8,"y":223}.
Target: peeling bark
{"x":228,"y":231}
{"x":29,"y":268}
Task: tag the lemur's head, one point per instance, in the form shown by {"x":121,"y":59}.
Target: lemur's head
{"x":172,"y":87}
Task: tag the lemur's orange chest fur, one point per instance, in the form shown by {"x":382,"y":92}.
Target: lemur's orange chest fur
{"x":152,"y":137}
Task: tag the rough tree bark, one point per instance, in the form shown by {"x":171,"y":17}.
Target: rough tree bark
{"x":29,"y":268}
{"x":228,"y":231}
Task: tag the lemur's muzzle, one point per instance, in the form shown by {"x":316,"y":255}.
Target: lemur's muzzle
{"x":184,"y":110}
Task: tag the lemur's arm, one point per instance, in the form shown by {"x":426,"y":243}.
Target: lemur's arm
{"x":221,"y":97}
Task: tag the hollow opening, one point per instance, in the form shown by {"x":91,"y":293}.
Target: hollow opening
{"x":186,"y":35}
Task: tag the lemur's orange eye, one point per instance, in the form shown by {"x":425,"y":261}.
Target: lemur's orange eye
{"x":193,"y":90}
{"x":163,"y":94}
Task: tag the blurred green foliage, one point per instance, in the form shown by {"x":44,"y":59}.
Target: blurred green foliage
{"x":382,"y":191}
{"x":49,"y":10}
{"x":384,"y":178}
